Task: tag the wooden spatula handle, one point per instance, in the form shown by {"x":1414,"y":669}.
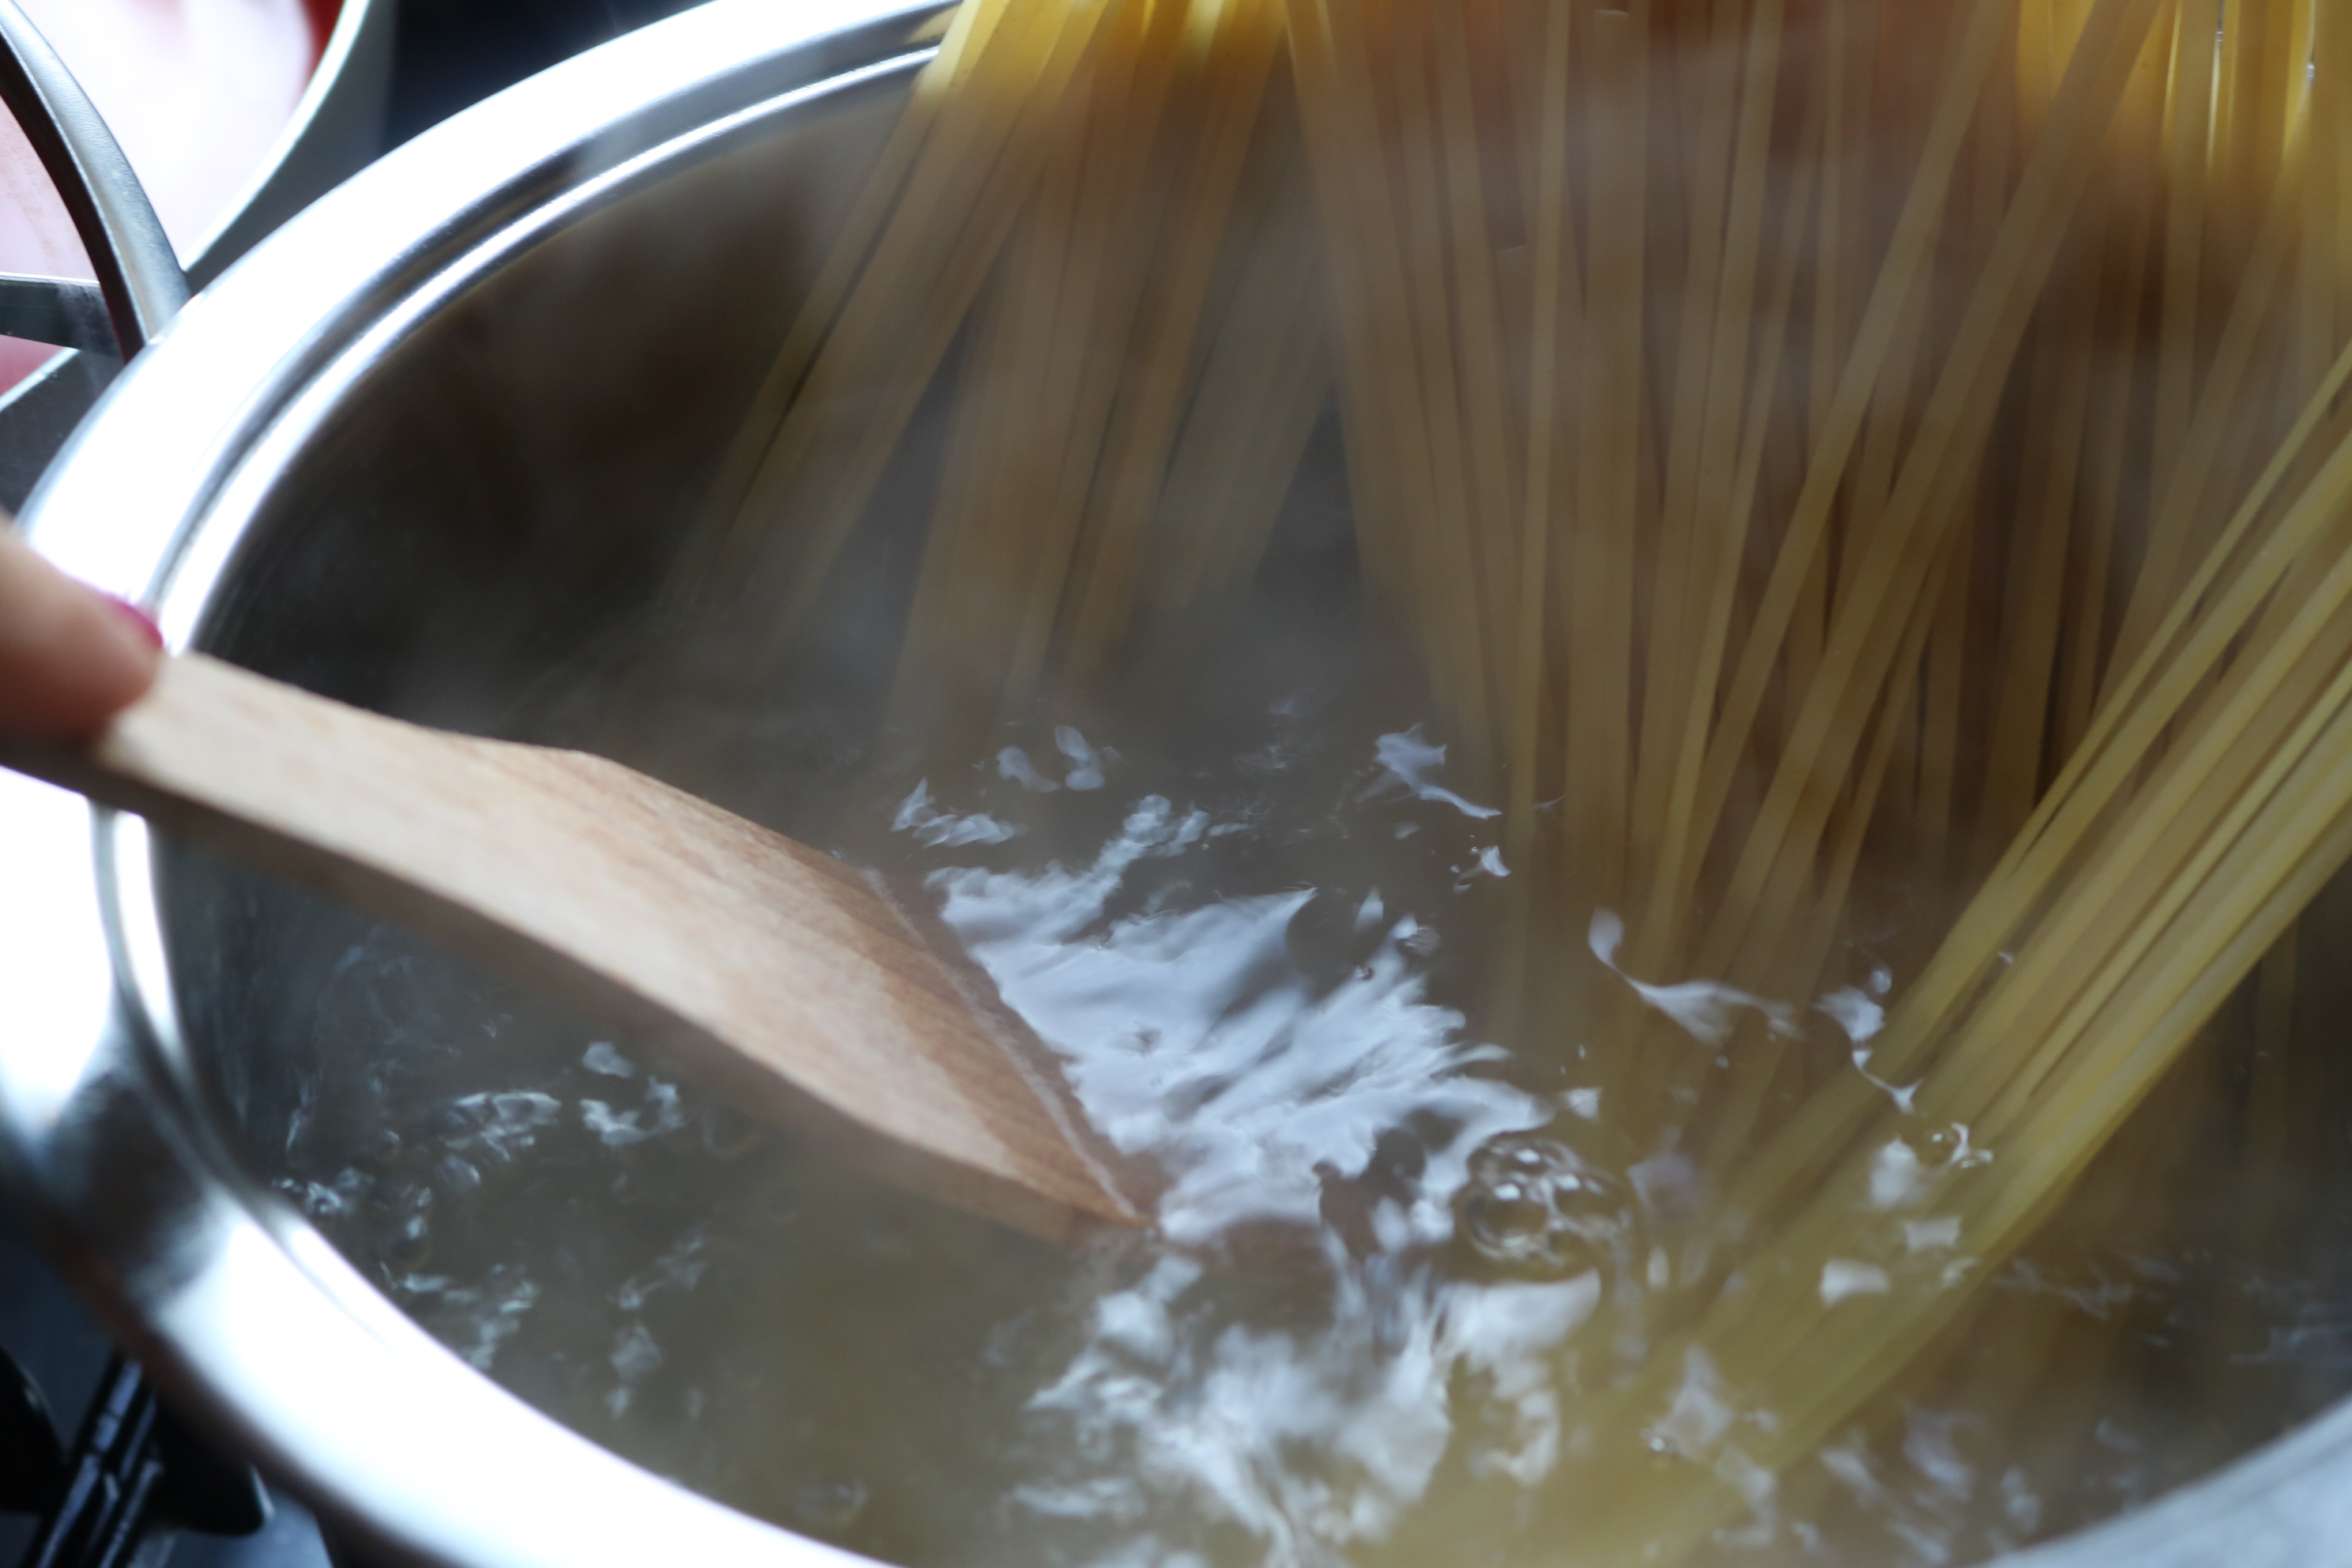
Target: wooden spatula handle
{"x":780,"y":972}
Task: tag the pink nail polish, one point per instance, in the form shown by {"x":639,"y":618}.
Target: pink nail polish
{"x":146,"y":622}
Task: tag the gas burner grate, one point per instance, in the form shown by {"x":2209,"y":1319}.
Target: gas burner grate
{"x":135,"y":1476}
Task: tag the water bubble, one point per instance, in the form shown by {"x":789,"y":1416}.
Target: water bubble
{"x":1933,"y":1142}
{"x":1905,"y":1169}
{"x":1939,"y":1144}
{"x":1533,"y":1207}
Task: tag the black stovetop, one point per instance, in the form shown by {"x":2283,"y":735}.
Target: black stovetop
{"x":447,"y":54}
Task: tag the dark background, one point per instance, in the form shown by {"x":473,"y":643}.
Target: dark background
{"x":450,"y":53}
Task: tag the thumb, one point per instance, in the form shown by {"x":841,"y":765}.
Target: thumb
{"x":69,"y":657}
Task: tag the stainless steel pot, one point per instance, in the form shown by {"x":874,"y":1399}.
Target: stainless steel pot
{"x":429,"y":441}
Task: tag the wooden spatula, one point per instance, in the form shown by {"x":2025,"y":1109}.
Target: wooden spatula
{"x":788,"y":978}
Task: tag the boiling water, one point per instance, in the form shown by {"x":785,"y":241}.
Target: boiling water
{"x":1399,"y":1245}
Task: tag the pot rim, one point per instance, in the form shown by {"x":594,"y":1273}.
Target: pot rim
{"x":233,"y":1298}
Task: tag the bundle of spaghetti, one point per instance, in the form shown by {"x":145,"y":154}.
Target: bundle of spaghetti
{"x":1051,"y":341}
{"x":1263,"y":382}
{"x":896,"y":286}
{"x":1532,"y":504}
{"x":1429,"y":459}
{"x":2302,"y":458}
{"x":1840,"y":464}
{"x":1946,"y":520}
{"x":1143,"y":370}
{"x":1204,"y":450}
{"x":1718,"y":745}
{"x":2208,"y":803}
{"x":1995,"y":662}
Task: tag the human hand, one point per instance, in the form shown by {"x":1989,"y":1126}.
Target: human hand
{"x":69,"y":657}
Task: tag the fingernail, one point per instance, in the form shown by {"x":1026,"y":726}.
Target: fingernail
{"x":146,"y":622}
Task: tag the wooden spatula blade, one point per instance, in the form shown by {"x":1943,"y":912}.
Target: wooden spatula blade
{"x":782,"y":974}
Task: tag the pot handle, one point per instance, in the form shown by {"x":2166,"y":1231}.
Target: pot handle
{"x":139,"y":275}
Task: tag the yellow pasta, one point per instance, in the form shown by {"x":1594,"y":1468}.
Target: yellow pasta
{"x":1806,"y":445}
